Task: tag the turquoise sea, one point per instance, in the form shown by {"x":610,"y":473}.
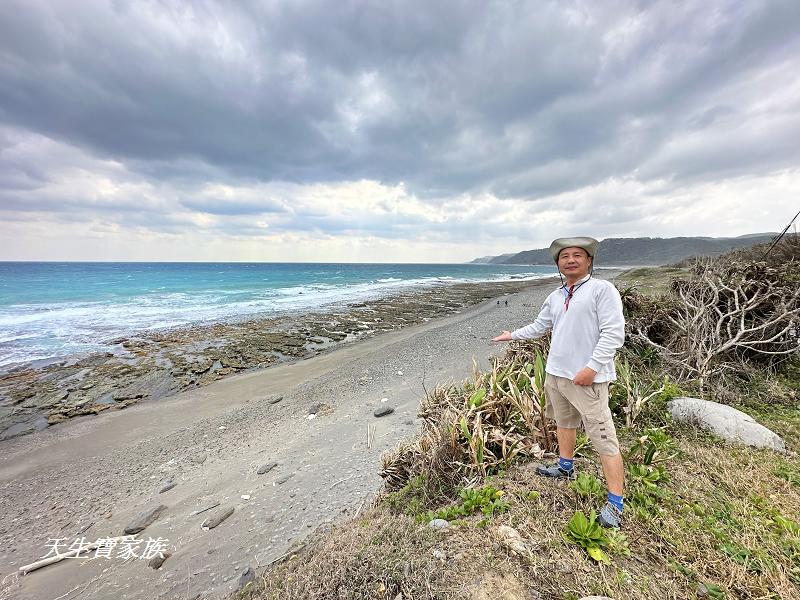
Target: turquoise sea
{"x":56,"y":309}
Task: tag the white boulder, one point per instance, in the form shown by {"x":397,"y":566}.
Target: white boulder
{"x":725,"y":421}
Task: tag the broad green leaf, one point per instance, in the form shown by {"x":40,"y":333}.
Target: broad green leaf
{"x":597,"y":554}
{"x":528,"y":368}
{"x":477,"y":397}
{"x":539,"y":375}
{"x":648,"y":455}
{"x":465,"y":429}
{"x":579,"y":523}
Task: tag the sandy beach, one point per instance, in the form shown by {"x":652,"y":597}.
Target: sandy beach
{"x":91,"y":476}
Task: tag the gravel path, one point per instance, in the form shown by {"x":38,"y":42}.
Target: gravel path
{"x":101,"y":472}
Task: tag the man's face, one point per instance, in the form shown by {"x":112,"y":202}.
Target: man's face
{"x":574,"y":262}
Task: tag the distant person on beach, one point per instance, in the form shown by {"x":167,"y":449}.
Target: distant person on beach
{"x":585,"y":315}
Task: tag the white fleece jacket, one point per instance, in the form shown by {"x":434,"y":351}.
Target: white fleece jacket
{"x":587,"y":334}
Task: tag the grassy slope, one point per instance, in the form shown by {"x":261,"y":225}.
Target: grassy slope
{"x":725,"y":520}
{"x":649,"y":280}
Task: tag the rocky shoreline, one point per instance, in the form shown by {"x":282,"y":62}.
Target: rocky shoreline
{"x":160,"y":364}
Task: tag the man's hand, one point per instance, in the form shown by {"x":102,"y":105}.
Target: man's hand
{"x":585,"y":376}
{"x":503,"y":337}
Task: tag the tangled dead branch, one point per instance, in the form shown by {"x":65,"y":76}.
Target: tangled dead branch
{"x":726,"y":312}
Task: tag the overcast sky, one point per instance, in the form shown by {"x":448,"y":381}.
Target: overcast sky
{"x":390,"y":131}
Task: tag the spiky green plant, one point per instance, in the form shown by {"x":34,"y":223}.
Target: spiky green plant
{"x":636,"y":392}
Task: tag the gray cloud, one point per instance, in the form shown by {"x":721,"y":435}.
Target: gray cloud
{"x":519,"y":100}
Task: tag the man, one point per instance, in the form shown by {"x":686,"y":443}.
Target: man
{"x":585,"y":315}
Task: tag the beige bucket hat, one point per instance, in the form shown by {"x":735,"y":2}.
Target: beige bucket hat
{"x":587,"y":243}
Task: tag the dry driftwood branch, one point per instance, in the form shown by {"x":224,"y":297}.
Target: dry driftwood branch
{"x":25,"y":569}
{"x":723,"y":312}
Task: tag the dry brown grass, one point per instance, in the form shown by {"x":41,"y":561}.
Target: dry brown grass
{"x":377,"y":555}
{"x":380,"y":554}
{"x":651,"y":281}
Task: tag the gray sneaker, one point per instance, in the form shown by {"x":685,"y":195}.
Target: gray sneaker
{"x":555,"y":471}
{"x":610,"y":516}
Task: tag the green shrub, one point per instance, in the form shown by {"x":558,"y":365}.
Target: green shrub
{"x":588,"y":534}
{"x":654,"y":446}
{"x":618,"y":542}
{"x":587,"y":486}
{"x":488,"y":500}
{"x":645,"y":491}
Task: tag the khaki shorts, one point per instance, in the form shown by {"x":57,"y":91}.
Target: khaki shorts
{"x":569,"y":404}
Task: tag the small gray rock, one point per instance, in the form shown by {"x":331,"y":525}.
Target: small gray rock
{"x":168,"y":485}
{"x":144,"y":519}
{"x":284,"y":479}
{"x":248,"y":576}
{"x":217,"y":518}
{"x":200,"y":458}
{"x":266,"y":468}
{"x":274,"y":399}
{"x":314,"y":409}
{"x":439,"y":554}
{"x":158,"y":560}
{"x":439,"y":524}
{"x":382,"y":411}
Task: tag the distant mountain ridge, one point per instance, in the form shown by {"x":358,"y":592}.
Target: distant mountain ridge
{"x":640,"y":251}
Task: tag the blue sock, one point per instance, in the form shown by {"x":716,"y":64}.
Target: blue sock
{"x":616,"y":500}
{"x":565,"y":464}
